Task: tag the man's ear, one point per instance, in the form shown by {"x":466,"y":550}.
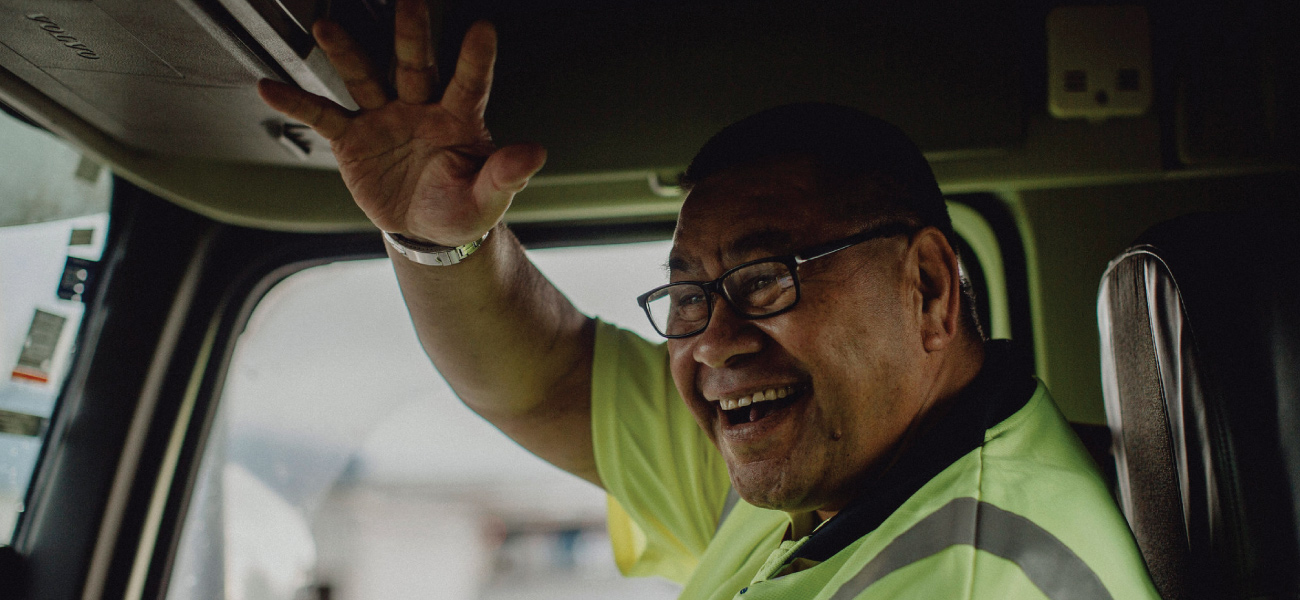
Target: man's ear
{"x":939,"y":287}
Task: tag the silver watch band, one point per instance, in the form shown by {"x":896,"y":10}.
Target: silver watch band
{"x":432,"y":254}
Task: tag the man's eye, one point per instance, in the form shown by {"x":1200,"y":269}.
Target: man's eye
{"x":688,"y":299}
{"x":757,"y":284}
{"x":764,"y":290}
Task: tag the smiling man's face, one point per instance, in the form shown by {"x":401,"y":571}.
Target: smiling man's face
{"x":843,"y":369}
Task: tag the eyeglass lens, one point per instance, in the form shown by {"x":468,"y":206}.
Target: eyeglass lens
{"x":754,"y":290}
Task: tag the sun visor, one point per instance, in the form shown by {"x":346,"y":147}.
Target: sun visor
{"x":177,"y":77}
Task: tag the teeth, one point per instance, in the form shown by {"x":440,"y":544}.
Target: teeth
{"x":760,"y":396}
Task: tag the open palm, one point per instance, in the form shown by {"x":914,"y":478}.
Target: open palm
{"x":426,"y":170}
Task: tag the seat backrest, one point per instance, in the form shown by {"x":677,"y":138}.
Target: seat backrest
{"x":1200,"y":337}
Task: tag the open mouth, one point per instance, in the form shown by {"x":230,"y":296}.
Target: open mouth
{"x":759,"y":406}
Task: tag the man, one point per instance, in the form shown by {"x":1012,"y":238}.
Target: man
{"x":822,"y":362}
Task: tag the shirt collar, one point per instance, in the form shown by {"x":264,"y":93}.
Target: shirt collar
{"x":1002,"y":387}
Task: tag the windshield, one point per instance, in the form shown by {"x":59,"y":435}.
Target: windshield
{"x":53,"y":220}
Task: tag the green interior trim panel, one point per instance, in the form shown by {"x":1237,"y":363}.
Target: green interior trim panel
{"x":1055,"y":155}
{"x":1071,"y":234}
{"x":1042,"y":367}
{"x":977,"y":232}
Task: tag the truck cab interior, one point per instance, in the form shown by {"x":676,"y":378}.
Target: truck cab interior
{"x":214,"y":391}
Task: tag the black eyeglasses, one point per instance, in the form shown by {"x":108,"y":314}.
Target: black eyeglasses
{"x":755,"y":290}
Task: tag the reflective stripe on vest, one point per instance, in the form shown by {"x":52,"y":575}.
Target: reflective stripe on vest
{"x":1045,"y":560}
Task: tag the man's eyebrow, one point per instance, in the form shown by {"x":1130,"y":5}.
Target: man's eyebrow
{"x":771,"y":240}
{"x":677,"y":264}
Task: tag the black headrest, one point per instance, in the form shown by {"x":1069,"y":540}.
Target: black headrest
{"x":1222,"y":323}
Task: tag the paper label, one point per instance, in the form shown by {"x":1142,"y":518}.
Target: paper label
{"x":38,"y":349}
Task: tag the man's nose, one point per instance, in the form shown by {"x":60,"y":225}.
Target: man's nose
{"x":727,"y":338}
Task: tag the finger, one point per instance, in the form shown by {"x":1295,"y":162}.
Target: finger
{"x":416,"y":71}
{"x":467,"y":92}
{"x":321,"y":114}
{"x":351,"y":63}
{"x":505,"y":174}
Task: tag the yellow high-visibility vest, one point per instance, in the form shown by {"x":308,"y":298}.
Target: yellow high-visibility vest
{"x":1024,"y":515}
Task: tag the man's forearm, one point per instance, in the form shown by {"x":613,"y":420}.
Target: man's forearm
{"x":511,"y":345}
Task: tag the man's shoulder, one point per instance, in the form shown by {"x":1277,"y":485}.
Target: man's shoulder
{"x":1039,"y":434}
{"x":1030,"y":496}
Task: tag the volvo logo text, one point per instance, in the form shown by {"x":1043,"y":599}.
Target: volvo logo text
{"x":62,"y":36}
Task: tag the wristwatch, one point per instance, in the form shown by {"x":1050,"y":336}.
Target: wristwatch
{"x":427,"y":253}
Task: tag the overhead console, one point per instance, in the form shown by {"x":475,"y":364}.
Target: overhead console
{"x":176,"y":77}
{"x":623,"y":93}
{"x":620,"y":93}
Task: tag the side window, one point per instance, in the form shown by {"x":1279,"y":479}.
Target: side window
{"x":340,"y":465}
{"x":53,"y":217}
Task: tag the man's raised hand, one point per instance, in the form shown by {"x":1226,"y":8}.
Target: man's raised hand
{"x":426,"y":170}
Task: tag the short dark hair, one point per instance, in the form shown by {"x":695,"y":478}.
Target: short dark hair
{"x":849,"y":148}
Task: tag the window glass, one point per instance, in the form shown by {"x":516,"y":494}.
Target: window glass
{"x":340,"y":465}
{"x":53,"y":218}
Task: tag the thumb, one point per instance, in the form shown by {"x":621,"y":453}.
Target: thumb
{"x":505,"y":174}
